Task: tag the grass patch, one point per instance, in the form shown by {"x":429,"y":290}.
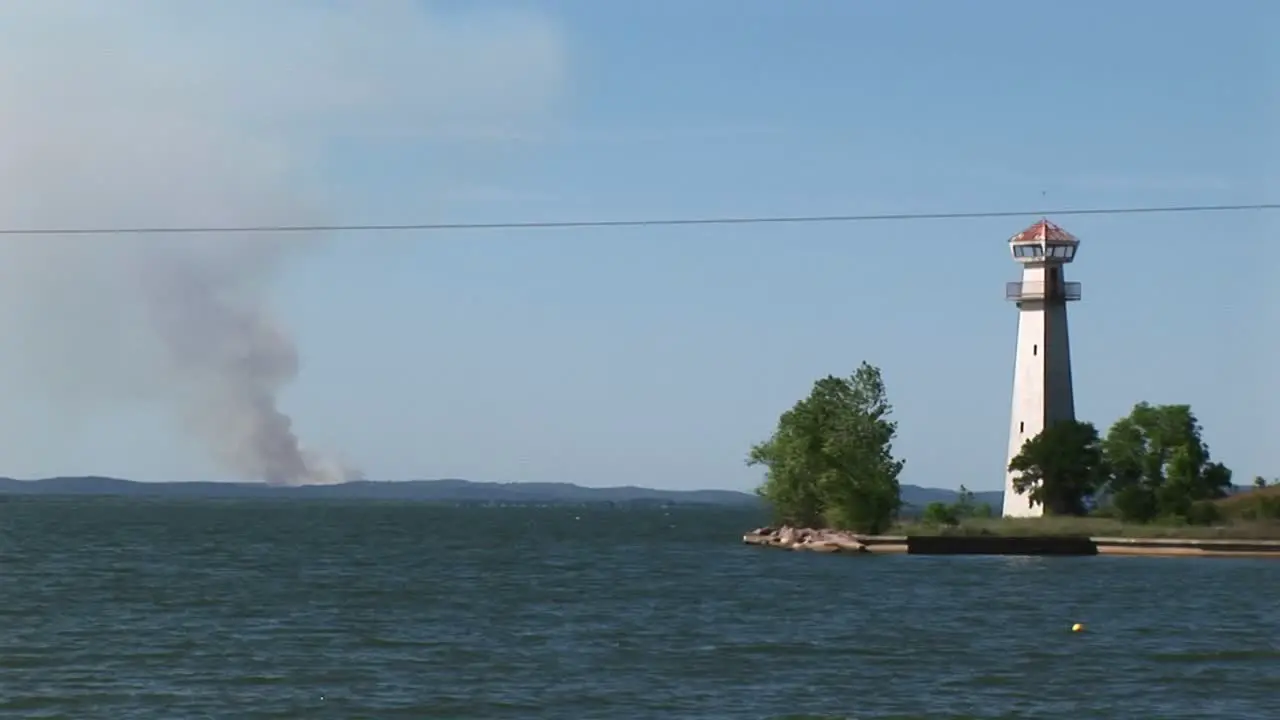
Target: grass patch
{"x":1096,"y":527}
{"x":1257,"y":503}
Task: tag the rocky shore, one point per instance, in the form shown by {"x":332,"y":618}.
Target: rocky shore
{"x":790,"y":538}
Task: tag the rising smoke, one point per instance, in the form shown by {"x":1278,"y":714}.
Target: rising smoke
{"x":166,"y":113}
{"x":180,"y":323}
{"x":227,"y":359}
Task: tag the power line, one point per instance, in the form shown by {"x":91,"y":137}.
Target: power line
{"x":654,"y":222}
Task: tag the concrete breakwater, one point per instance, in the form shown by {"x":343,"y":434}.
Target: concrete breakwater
{"x":838,"y":541}
{"x":1187,"y":547}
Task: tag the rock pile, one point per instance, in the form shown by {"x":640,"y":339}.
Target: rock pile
{"x":789,"y":538}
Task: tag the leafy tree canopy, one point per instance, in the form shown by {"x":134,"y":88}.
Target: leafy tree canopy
{"x":830,"y":461}
{"x":1160,"y":464}
{"x":1061,"y":467}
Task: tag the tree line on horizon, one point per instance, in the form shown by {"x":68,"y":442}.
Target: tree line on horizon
{"x":830,"y":463}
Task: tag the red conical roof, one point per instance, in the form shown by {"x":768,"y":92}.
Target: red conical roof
{"x":1044,"y":231}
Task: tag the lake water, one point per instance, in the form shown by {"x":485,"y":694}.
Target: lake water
{"x":130,"y":609}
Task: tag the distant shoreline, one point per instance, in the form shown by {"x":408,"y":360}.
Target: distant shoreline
{"x":444,"y":490}
{"x":451,"y":491}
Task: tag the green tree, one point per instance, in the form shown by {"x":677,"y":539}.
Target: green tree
{"x":1161,"y":465}
{"x":830,"y":461}
{"x":1259,"y":482}
{"x":939,"y":513}
{"x":1061,"y":467}
{"x":965,"y":507}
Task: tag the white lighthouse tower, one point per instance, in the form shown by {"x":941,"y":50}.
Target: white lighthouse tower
{"x":1042,"y":393}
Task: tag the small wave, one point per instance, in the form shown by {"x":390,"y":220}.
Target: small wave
{"x":1216,"y":656}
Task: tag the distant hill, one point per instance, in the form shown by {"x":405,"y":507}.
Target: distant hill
{"x":918,"y":497}
{"x":408,"y":490}
{"x":447,"y":491}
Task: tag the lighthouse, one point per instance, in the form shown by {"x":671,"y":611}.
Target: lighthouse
{"x":1042,"y":392}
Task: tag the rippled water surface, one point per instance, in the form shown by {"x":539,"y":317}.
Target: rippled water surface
{"x":138,"y":609}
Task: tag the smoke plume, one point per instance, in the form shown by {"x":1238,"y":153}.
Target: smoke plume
{"x":183,"y":324}
{"x":144,"y":113}
{"x":227,"y":359}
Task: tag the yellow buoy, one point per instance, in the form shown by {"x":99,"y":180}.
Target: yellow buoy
{"x":1077,"y":627}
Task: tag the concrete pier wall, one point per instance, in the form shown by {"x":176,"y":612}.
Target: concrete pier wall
{"x":836,"y":541}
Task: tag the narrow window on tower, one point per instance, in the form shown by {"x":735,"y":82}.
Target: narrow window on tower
{"x":1035,"y":349}
{"x":1022,"y":427}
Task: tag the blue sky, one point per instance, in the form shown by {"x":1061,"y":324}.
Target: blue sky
{"x":657,"y":356}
